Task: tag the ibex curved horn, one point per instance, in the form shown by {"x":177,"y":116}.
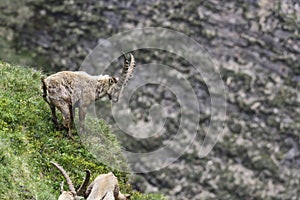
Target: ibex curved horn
{"x":123,"y":75}
{"x":66,"y":176}
{"x":127,"y":72}
{"x":130,"y":69}
{"x":82,"y":188}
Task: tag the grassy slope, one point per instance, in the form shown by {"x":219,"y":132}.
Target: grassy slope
{"x":29,"y":141}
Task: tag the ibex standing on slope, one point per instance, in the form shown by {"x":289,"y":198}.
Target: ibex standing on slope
{"x":66,"y":90}
{"x":104,"y":187}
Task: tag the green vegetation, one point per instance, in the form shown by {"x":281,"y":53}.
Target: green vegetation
{"x":29,"y":141}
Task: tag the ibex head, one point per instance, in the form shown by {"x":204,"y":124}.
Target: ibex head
{"x":72,"y":194}
{"x":117,"y":84}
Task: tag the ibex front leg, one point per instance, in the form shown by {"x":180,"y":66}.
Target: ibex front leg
{"x":54,"y":118}
{"x":66,"y":111}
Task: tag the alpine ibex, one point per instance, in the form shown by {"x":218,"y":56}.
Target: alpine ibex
{"x":72,"y":194}
{"x":104,"y":187}
{"x":66,"y":90}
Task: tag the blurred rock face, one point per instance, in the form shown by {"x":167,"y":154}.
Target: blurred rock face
{"x":254,"y":43}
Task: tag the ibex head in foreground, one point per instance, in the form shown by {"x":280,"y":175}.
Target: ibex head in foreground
{"x":104,"y":187}
{"x":66,"y":90}
{"x":72,"y":194}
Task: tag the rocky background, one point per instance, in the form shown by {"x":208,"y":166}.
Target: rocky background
{"x":254,"y":43}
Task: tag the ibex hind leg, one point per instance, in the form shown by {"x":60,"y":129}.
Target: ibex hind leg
{"x":54,"y":118}
{"x":67,"y":120}
{"x":72,"y":114}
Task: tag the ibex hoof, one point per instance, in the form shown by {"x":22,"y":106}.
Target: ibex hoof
{"x":70,"y":134}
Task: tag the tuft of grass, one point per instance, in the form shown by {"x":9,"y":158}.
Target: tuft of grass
{"x":29,"y":141}
{"x":139,"y":196}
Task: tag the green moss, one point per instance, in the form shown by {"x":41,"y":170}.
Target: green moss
{"x":29,"y":141}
